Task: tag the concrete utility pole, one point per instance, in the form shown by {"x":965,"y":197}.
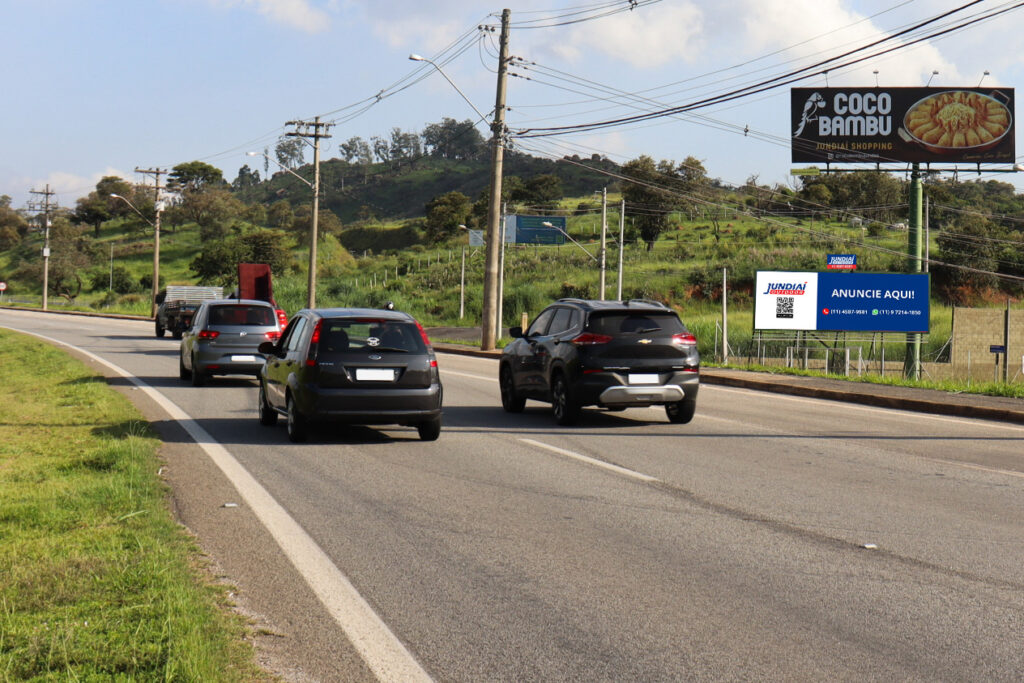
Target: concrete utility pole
{"x":490,"y":324}
{"x":604,"y":233}
{"x":316,"y":130}
{"x":622,"y":245}
{"x":912,"y":362}
{"x":158,"y":207}
{"x":47,"y":193}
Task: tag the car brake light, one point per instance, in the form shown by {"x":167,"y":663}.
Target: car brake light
{"x":209,"y":334}
{"x":686,"y":339}
{"x":314,"y":342}
{"x":589,"y":339}
{"x":272,"y":336}
{"x":282,"y":318}
{"x":423,"y":333}
{"x":433,"y":363}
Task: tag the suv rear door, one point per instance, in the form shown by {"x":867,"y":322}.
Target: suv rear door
{"x":641,"y":341}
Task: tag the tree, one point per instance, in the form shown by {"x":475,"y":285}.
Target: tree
{"x":280,"y":214}
{"x":212,"y":210}
{"x":543,"y":189}
{"x":966,"y":241}
{"x":381,"y":148}
{"x":290,"y":152}
{"x":246,"y":178}
{"x":445,"y":213}
{"x":194,"y":175}
{"x":451,"y":139}
{"x":327,"y":223}
{"x":646,"y":198}
{"x":218,"y":262}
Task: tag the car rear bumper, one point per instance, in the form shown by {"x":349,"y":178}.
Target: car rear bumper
{"x":611,"y":390}
{"x":370,"y":406}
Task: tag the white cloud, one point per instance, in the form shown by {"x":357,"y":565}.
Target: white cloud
{"x":298,"y":14}
{"x":644,"y":38}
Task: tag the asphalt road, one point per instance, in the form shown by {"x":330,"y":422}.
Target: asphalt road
{"x":773,"y":538}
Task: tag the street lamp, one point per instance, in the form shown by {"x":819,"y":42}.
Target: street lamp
{"x":549,"y":224}
{"x":159,"y":206}
{"x":934,"y":74}
{"x":315,"y":187}
{"x":418,"y":58}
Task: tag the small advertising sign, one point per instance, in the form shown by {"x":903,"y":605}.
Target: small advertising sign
{"x":842,"y":262}
{"x":839,"y":302}
{"x":890,"y":125}
{"x":531,"y":229}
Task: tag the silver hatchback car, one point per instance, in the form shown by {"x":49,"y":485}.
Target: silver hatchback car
{"x":224,"y":338}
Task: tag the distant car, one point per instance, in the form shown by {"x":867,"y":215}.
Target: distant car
{"x":612,"y":354}
{"x":351,"y":365}
{"x":224,"y":339}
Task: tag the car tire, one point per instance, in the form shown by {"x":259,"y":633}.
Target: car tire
{"x":268,"y":416}
{"x":511,"y":401}
{"x":297,"y":427}
{"x":429,"y":430}
{"x":680,"y":412}
{"x":159,"y":329}
{"x":176,"y":332}
{"x":198,"y":376}
{"x":183,"y":372}
{"x":563,"y":403}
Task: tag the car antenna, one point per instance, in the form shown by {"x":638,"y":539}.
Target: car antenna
{"x":390,"y":305}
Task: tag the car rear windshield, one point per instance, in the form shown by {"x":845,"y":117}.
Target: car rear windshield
{"x":369,"y":335}
{"x":241,"y":314}
{"x":646,"y":322}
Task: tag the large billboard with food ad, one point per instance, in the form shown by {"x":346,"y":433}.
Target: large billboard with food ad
{"x":902,"y":125}
{"x":842,"y":302}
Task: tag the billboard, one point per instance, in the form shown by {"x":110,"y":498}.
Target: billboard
{"x":841,"y":302}
{"x":909,"y":125}
{"x":531,"y":229}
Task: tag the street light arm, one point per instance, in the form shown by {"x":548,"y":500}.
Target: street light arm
{"x":418,"y":58}
{"x":282,"y":166}
{"x":548,"y":224}
{"x":125,"y":200}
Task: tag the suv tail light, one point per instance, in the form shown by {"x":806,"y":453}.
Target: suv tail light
{"x":208,"y":334}
{"x":314,"y":342}
{"x":686,"y":339}
{"x":590,"y":339}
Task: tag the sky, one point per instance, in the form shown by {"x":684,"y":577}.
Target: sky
{"x":101,"y":87}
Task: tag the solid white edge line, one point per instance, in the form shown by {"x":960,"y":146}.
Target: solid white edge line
{"x":592,"y":461}
{"x":380,"y":649}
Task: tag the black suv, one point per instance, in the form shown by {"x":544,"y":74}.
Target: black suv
{"x":614,"y":354}
{"x":351,"y":365}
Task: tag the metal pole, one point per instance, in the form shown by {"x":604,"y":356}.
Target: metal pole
{"x":604,"y":233}
{"x":912,"y":363}
{"x":501,"y":274}
{"x":725,"y":320}
{"x":490,"y":304}
{"x":622,"y":245}
{"x":462,"y":287}
{"x":1006,"y":343}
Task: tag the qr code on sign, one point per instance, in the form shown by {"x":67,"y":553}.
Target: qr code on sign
{"x":784,"y":307}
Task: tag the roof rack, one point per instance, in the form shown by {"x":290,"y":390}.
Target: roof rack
{"x":649,"y":302}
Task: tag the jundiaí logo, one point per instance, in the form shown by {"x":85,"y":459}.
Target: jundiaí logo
{"x":786,"y":288}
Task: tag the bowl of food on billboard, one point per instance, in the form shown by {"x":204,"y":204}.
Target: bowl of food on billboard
{"x":957,"y":121}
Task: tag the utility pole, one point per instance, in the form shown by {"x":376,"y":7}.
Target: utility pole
{"x":316,"y":130}
{"x":912,"y":363}
{"x":604,"y":232}
{"x":158,"y":207}
{"x":490,"y":324}
{"x":622,"y":244}
{"x":47,"y":193}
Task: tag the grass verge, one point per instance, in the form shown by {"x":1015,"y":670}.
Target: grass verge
{"x":98,"y":581}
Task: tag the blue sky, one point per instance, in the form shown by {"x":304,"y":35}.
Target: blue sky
{"x":100,"y":87}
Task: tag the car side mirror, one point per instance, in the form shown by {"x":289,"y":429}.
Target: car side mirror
{"x":267,"y":348}
{"x":515,"y":332}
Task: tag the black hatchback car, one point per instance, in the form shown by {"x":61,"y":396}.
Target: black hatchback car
{"x":613,"y":354}
{"x":351,"y":365}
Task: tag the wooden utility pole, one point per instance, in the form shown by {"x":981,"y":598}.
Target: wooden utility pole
{"x":490,"y":324}
{"x":316,"y":130}
{"x":47,"y":193}
{"x":158,"y":208}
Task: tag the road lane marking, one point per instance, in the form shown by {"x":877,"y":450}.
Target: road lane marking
{"x":632,"y":474}
{"x":380,"y":649}
{"x":471,"y":376}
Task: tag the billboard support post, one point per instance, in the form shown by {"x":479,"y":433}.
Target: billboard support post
{"x":912,"y":363}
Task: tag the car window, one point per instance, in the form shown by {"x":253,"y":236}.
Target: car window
{"x":540,"y":325}
{"x":364,"y":335}
{"x":241,"y":314}
{"x":561,"y":322}
{"x":294,"y":334}
{"x":647,"y":322}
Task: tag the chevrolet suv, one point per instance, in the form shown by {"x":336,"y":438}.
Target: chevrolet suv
{"x":612,"y":354}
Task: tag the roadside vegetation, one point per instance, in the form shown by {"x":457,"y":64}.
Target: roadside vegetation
{"x":99,"y":582}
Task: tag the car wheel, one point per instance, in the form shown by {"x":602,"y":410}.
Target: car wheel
{"x":183,"y":372}
{"x":680,"y":412}
{"x":510,"y":400}
{"x":160,"y":331}
{"x":297,"y":429}
{"x":176,"y":333}
{"x":198,"y":376}
{"x":563,"y":403}
{"x":430,"y":430}
{"x":268,"y":416}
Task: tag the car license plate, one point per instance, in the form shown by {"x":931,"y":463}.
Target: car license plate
{"x":375,"y":375}
{"x":243,"y":359}
{"x":635,"y":378}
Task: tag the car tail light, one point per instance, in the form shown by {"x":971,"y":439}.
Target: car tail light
{"x":685,"y":339}
{"x":590,"y":339}
{"x":272,"y":336}
{"x":314,"y":343}
{"x":282,"y":318}
{"x":426,"y":339}
{"x":208,"y":334}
